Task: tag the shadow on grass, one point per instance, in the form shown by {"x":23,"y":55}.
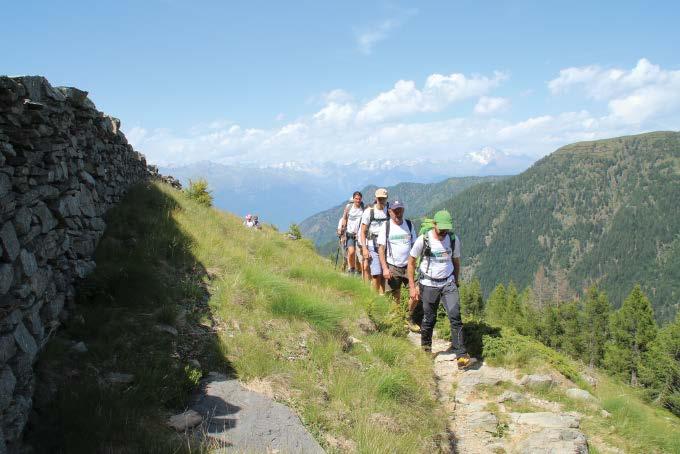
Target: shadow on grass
{"x":474,"y":332}
{"x":147,"y":283}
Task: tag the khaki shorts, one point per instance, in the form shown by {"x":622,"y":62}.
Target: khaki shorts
{"x":398,"y":279}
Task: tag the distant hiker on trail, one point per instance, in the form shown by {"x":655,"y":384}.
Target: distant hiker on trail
{"x":349,"y":229}
{"x":249,"y":221}
{"x":439,"y":251}
{"x":256,"y":222}
{"x":394,"y":244}
{"x":371,"y":222}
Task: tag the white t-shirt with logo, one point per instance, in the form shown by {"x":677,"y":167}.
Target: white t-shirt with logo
{"x":354,"y":219}
{"x":400,"y":240}
{"x":440,"y":266}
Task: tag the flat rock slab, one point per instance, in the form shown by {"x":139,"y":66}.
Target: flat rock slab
{"x":245,"y":421}
{"x":579,"y":394}
{"x":184,"y":421}
{"x":546,"y":420}
{"x":554,"y":441}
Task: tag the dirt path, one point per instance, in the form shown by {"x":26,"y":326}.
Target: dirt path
{"x":481,"y":422}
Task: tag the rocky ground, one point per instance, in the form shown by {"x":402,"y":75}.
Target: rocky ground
{"x":492,"y":409}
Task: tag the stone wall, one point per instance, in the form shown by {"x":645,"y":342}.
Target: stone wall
{"x":63,"y":164}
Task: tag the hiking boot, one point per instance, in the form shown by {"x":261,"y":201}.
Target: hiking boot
{"x":464,"y":361}
{"x":427,"y":348}
{"x":413,"y":327}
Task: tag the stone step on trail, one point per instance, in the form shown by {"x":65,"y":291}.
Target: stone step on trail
{"x":479,"y":424}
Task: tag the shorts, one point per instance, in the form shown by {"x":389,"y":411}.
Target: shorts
{"x":376,"y":269}
{"x":398,"y":279}
{"x":350,"y":240}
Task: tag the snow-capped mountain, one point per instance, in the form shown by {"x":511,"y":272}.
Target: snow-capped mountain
{"x":286,"y":192}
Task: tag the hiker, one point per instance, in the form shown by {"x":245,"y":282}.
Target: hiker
{"x":256,"y":222}
{"x":439,"y":251}
{"x":342,"y":244}
{"x":249,"y":221}
{"x":349,"y":229}
{"x":371,"y":222}
{"x":394,"y":245}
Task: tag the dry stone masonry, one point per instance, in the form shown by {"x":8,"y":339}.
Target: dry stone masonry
{"x":63,"y":164}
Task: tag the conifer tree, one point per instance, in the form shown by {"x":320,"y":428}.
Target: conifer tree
{"x":571,"y":332}
{"x":495,"y":305}
{"x":596,"y":310}
{"x":660,"y":371}
{"x":633,"y":329}
{"x":531,"y":312}
{"x":471,"y":301}
{"x":513,"y":314}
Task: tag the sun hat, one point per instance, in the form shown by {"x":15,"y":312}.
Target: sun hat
{"x":381,"y":192}
{"x":397,"y":204}
{"x":443,"y":220}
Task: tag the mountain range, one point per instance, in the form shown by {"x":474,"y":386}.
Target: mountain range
{"x":287,"y":192}
{"x":601,"y":212}
{"x":419,"y":198}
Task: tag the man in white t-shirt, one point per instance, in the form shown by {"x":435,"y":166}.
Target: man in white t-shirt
{"x":395,"y":240}
{"x":348,"y":230}
{"x":439,"y":273}
{"x":371,"y":222}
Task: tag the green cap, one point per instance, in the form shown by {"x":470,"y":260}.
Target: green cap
{"x":443,"y":220}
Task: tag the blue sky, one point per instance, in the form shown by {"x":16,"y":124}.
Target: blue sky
{"x":268,"y":82}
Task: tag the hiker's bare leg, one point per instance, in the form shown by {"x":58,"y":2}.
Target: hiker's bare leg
{"x":351,"y":257}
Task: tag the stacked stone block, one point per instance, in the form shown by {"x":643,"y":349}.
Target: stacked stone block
{"x":63,"y":164}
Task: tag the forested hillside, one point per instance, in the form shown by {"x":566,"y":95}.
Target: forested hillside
{"x":603,"y":212}
{"x":419,"y":198}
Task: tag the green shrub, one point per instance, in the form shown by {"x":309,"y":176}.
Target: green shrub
{"x":198,"y":191}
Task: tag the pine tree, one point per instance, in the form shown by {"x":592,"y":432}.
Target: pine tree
{"x":495,"y":305}
{"x":471,"y":301}
{"x":596,"y":310}
{"x":633,"y":329}
{"x":571,"y":333}
{"x":513,"y":315}
{"x":660,"y":371}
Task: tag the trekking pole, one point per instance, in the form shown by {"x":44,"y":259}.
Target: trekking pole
{"x":337,"y":254}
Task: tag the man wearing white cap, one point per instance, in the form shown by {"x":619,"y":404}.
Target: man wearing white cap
{"x":394,"y":244}
{"x":371,"y":222}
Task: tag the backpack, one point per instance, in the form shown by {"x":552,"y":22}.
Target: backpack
{"x":372,"y":216}
{"x":387,"y":235}
{"x":346,"y":212}
{"x":425,"y":227}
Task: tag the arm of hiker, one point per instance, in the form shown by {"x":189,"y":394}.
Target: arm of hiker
{"x":382,"y":247}
{"x":363,"y":230}
{"x":413,"y":290}
{"x":456,"y":261}
{"x":456,"y":270}
{"x":343,"y":221}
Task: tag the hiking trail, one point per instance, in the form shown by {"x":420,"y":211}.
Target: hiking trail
{"x":481,"y":422}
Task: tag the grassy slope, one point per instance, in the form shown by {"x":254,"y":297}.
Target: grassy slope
{"x":272,"y":313}
{"x":634,"y":426}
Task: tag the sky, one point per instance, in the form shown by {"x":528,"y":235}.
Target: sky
{"x":265,"y":83}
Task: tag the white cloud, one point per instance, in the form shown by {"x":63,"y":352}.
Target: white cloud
{"x":335,"y":114}
{"x":438,"y":92}
{"x":367,"y":39}
{"x":633,"y":96}
{"x":343,"y":130}
{"x":488,"y":105}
